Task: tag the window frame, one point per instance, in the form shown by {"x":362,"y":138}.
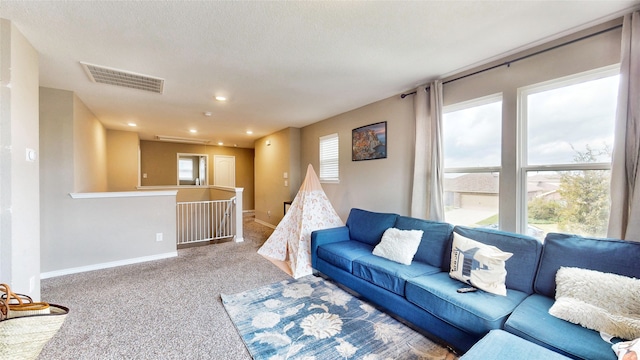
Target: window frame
{"x":479,"y":101}
{"x":524,"y":168}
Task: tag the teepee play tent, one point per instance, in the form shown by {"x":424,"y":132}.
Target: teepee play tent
{"x":309,"y":211}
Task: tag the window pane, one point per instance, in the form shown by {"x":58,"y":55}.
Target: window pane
{"x":329,"y":156}
{"x":571,"y":119}
{"x":472,"y":199}
{"x":472,"y":136}
{"x":185,"y":172}
{"x":575,"y":202}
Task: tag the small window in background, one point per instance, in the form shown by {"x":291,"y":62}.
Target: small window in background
{"x":186,"y":169}
{"x":192,"y":169}
{"x":329,"y":159}
{"x":472,"y":134}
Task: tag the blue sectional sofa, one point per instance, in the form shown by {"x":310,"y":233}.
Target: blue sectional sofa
{"x":424,"y":294}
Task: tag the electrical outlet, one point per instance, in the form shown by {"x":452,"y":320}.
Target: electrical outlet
{"x":159,"y":237}
{"x":269,"y":213}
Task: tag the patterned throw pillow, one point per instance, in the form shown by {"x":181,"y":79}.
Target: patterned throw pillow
{"x":479,"y":265}
{"x":399,"y":245}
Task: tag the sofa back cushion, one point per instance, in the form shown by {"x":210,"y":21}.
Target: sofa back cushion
{"x":368,"y":227}
{"x":521,"y":267}
{"x":435,"y":238}
{"x":604,"y":255}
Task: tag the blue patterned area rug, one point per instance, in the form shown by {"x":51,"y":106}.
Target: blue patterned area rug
{"x":311,"y":318}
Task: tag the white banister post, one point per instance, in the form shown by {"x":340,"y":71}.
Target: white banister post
{"x":239,"y":219}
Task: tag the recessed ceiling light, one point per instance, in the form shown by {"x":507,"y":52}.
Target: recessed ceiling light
{"x":193,"y":131}
{"x":249,"y":132}
{"x":221,"y":98}
{"x":132,"y":124}
{"x":220,"y":143}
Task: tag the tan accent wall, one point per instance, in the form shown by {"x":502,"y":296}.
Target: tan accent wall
{"x":122,"y":160}
{"x":19,"y":178}
{"x":272,"y":161}
{"x":158,"y":160}
{"x":89,"y":150}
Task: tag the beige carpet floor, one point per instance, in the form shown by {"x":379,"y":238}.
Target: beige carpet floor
{"x":165,"y":309}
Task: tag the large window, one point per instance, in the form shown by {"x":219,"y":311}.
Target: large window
{"x":567,"y":138}
{"x":329,"y":158}
{"x":471,"y":135}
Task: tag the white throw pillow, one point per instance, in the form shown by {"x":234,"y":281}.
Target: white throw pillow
{"x":479,"y":265}
{"x":627,"y":350}
{"x":399,"y":245}
{"x":604,"y":302}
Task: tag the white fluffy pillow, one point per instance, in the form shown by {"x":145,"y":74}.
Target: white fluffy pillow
{"x":479,"y":265}
{"x":399,"y":245}
{"x":604,"y":302}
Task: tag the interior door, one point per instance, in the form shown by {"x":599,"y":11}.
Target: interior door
{"x":224,"y":170}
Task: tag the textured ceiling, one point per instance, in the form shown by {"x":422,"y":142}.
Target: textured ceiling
{"x":280,"y":64}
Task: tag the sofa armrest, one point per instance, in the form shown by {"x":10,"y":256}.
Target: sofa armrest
{"x":326,"y":236}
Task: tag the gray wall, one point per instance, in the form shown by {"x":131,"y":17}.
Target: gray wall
{"x":19,"y":180}
{"x":378,"y":185}
{"x":385,"y":185}
{"x":95,"y":232}
{"x":101,"y":232}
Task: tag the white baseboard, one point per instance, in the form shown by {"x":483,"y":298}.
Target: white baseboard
{"x":265,"y":223}
{"x":80,"y":269}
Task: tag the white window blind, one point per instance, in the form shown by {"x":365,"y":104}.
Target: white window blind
{"x":329,"y":163}
{"x":185,"y":169}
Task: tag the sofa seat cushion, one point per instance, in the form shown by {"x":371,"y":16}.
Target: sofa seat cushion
{"x":341,"y":254}
{"x":474,"y":312}
{"x":531,"y":320}
{"x":501,"y":345}
{"x":388,"y":274}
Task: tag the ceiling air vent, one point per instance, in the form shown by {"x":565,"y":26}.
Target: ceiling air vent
{"x":105,"y":75}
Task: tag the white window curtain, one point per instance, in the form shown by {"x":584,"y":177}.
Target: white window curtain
{"x":624,"y":221}
{"x":427,"y":194}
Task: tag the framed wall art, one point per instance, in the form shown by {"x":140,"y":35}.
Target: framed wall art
{"x":369,"y":142}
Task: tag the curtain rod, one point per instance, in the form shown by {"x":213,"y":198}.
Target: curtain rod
{"x":508,"y":63}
